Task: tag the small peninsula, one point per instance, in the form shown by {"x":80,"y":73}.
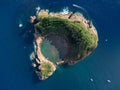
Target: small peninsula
{"x":72,"y":34}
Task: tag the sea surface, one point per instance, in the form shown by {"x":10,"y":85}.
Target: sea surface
{"x":99,"y":71}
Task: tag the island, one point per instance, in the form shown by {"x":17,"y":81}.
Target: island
{"x":72,"y":34}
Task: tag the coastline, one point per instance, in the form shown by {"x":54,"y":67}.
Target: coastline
{"x":78,"y":17}
{"x":40,"y":58}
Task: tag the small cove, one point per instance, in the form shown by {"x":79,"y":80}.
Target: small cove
{"x":54,"y":47}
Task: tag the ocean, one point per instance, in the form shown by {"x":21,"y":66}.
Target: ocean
{"x":99,"y":71}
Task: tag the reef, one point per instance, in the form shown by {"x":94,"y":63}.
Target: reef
{"x":80,"y":34}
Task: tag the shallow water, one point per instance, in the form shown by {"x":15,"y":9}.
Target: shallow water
{"x":54,"y":47}
{"x":49,"y":51}
{"x":60,"y":43}
{"x":15,"y":67}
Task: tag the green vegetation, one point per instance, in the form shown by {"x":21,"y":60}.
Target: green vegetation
{"x":82,"y":40}
{"x":46,"y":69}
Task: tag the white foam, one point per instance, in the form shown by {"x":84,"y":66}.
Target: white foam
{"x":32,"y":56}
{"x":34,"y":47}
{"x":20,"y":25}
{"x":65,"y":10}
{"x":38,"y":8}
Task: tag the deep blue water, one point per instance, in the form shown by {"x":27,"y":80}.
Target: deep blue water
{"x":15,"y":67}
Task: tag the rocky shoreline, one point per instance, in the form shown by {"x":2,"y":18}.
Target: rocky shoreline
{"x":40,"y":59}
{"x":43,"y":64}
{"x":77,"y":17}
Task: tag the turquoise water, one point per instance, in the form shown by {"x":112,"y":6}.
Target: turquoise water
{"x":49,"y":51}
{"x":16,"y":45}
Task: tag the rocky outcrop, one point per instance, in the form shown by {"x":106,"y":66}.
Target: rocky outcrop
{"x":77,"y":17}
{"x":39,"y":60}
{"x":43,"y":64}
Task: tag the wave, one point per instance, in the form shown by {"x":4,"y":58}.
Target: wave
{"x":34,"y":47}
{"x":37,"y":9}
{"x":20,"y":24}
{"x":65,"y":10}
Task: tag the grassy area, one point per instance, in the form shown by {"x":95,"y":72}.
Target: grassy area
{"x":46,"y":69}
{"x":83,"y":39}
